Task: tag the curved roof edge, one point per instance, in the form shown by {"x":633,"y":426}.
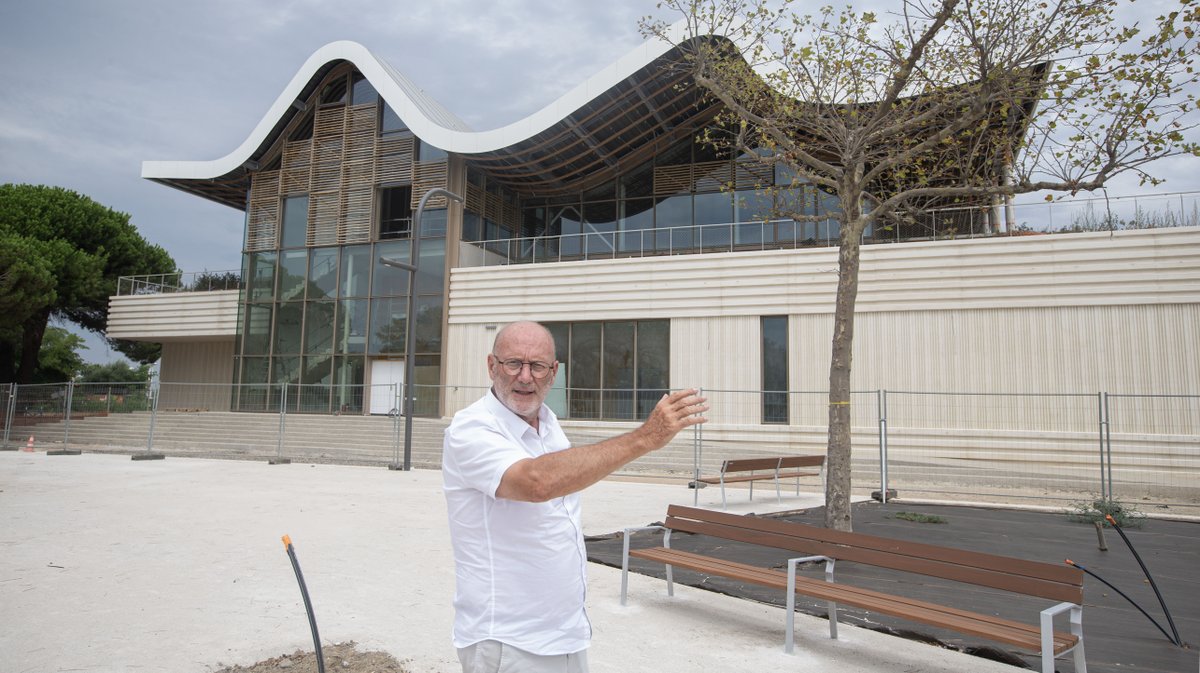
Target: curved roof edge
{"x":424,"y":116}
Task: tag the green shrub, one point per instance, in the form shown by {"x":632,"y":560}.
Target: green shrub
{"x":1098,"y":509}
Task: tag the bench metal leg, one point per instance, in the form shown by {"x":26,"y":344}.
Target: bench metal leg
{"x":789,"y":636}
{"x":790,"y":633}
{"x":778,"y":494}
{"x":624,"y":567}
{"x":832,"y":605}
{"x":723,"y":505}
{"x":625,"y":558}
{"x":1047,"y":632}
{"x":670,"y":572}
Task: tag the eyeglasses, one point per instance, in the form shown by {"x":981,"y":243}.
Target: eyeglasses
{"x":512,"y":367}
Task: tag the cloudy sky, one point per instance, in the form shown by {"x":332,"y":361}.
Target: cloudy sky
{"x":93,"y":88}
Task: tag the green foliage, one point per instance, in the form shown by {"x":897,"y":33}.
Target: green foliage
{"x":1100,"y":508}
{"x":919,"y":518}
{"x":58,"y":358}
{"x":227,"y":280}
{"x":26,"y":284}
{"x":71,"y":250}
{"x":114,"y":372}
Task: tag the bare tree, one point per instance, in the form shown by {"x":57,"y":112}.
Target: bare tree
{"x":962,"y":102}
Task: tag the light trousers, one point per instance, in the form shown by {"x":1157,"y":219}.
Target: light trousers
{"x":492,"y":656}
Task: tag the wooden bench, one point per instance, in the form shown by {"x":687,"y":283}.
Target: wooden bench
{"x":774,"y":468}
{"x":812,"y":544}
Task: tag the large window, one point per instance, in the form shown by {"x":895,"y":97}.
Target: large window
{"x":614,"y":370}
{"x":775,"y":369}
{"x":295,"y":222}
{"x":395,"y":212}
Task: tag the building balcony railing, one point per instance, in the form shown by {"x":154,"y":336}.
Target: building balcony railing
{"x":167,"y":283}
{"x":1076,"y":215}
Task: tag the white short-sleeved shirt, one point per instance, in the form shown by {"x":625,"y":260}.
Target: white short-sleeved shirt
{"x":520,"y":566}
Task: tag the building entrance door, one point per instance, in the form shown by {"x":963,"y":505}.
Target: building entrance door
{"x":384,"y":397}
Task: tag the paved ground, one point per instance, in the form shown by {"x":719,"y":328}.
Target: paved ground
{"x":108,"y":564}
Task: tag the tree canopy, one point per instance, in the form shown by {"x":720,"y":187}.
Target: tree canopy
{"x":951,"y":101}
{"x":60,"y":255}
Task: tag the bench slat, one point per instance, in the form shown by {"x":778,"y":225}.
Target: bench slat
{"x":986,"y":626}
{"x":1032,"y":577}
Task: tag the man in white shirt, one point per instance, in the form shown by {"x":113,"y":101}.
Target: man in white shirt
{"x":512,"y":483}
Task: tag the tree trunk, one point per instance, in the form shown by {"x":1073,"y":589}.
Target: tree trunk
{"x":31,"y":343}
{"x":837,"y":482}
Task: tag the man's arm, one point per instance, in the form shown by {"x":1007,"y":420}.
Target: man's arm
{"x":562,"y":472}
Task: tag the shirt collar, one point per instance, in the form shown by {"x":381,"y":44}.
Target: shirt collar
{"x":515,"y":424}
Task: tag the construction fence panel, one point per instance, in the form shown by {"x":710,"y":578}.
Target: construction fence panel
{"x":1153,"y":451}
{"x":995,"y":447}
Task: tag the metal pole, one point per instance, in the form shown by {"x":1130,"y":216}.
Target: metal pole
{"x":153,"y":418}
{"x":394,"y":413}
{"x":1108,"y":445}
{"x":409,"y":331}
{"x":279,"y":459}
{"x":10,"y":407}
{"x":67,"y":424}
{"x":1103,"y":422}
{"x":697,"y":456}
{"x":883,"y":457}
{"x":149,"y":454}
{"x":70,"y":402}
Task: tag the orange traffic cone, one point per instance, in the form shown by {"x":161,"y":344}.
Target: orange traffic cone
{"x":29,"y":445}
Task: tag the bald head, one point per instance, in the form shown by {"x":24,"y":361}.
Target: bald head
{"x":523,"y":331}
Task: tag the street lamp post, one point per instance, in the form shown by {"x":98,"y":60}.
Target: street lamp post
{"x":410,"y":318}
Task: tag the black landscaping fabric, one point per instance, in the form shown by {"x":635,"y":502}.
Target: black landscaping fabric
{"x":1117,"y":636}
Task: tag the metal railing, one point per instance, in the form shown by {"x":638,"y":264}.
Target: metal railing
{"x":1050,"y":449}
{"x":1073,"y":215}
{"x":189,"y":281}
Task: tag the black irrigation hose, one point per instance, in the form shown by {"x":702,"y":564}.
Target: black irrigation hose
{"x":1153,"y":585}
{"x":1122,"y":593}
{"x":312,"y":620}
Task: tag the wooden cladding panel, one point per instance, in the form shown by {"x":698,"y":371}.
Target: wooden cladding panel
{"x":475,"y":198}
{"x":355,"y":221}
{"x":329,"y":122}
{"x":493,"y":207}
{"x":323,"y":210}
{"x":362,"y":118}
{"x":712,"y":176}
{"x":426,"y":176}
{"x":263,"y":220}
{"x":670,"y":180}
{"x":297,"y":167}
{"x":748,"y":174}
{"x":393,"y":160}
{"x":511,"y":218}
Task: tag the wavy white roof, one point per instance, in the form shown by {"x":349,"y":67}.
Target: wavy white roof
{"x":428,"y":119}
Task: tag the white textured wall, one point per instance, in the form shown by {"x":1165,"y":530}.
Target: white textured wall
{"x":181,"y":316}
{"x":1068,"y":313}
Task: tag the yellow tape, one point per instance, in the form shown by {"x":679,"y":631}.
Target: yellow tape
{"x":833,"y":403}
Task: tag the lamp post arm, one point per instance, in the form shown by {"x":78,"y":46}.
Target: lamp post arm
{"x":410,"y":330}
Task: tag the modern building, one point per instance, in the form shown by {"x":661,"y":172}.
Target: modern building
{"x":650,"y":256}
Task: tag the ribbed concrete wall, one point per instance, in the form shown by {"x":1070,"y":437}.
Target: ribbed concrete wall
{"x":1068,"y":313}
{"x":196,"y":363}
{"x":180,"y":316}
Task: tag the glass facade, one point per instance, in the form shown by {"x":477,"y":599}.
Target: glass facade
{"x":320,"y":303}
{"x":613,"y":370}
